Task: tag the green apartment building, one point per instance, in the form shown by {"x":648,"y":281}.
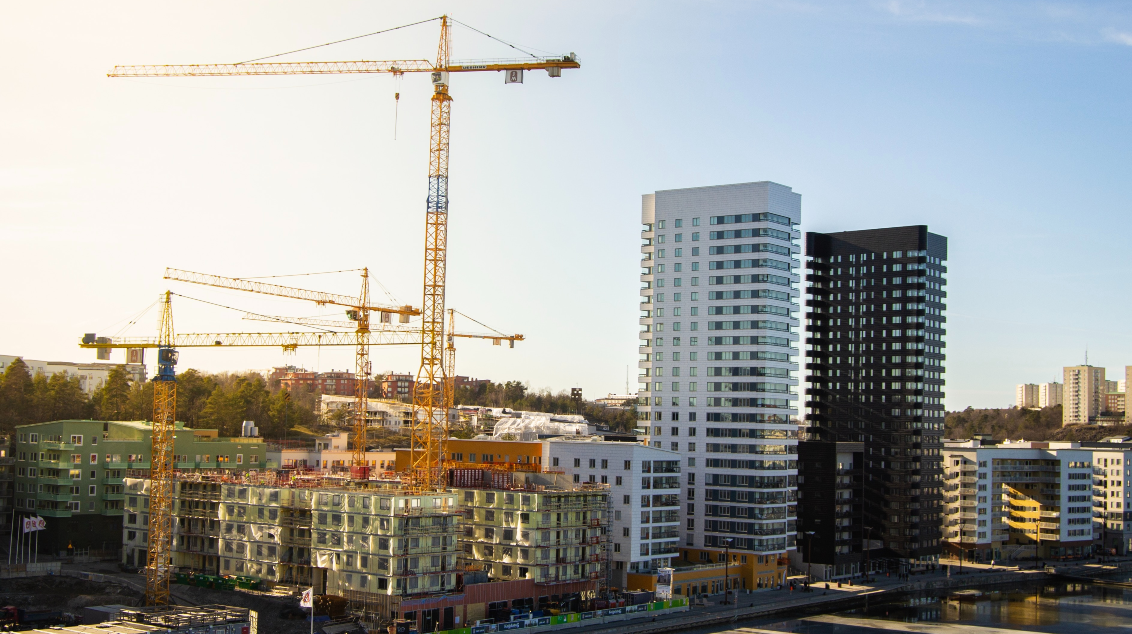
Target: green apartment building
{"x":72,"y":472}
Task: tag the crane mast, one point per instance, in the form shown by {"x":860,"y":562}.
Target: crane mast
{"x":362,"y":370}
{"x":430,"y":420}
{"x":158,"y":560}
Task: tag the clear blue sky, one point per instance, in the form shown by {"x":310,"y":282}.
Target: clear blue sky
{"x":1004,"y":126}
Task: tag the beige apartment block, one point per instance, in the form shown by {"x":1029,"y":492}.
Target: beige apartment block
{"x":1049,"y":394}
{"x":1026,"y":395}
{"x":1083,"y":395}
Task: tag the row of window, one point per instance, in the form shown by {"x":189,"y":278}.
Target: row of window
{"x":677,"y":252}
{"x":679,"y":237}
{"x":676,"y":297}
{"x":77,"y":458}
{"x":677,"y":223}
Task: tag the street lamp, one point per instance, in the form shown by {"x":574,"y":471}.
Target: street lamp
{"x":726,"y":565}
{"x":810,"y":556}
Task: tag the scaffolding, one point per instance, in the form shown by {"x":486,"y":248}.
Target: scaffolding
{"x":536,"y":526}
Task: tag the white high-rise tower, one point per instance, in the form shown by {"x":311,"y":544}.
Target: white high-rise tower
{"x":719,"y":361}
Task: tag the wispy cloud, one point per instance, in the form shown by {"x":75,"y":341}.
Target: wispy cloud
{"x":1119,"y":37}
{"x":919,"y":11}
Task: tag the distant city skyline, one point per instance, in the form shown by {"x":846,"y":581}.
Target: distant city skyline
{"x":1002,"y":126}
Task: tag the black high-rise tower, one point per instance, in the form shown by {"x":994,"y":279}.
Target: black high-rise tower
{"x":875,"y":364}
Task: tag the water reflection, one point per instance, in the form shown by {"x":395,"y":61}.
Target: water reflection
{"x":1041,"y":607}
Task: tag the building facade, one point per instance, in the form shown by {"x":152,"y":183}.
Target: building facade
{"x":1026,"y":395}
{"x":644,"y":486}
{"x":1083,"y":395}
{"x":718,"y":347}
{"x":831,"y":517}
{"x":396,"y":386}
{"x":295,"y":379}
{"x":72,"y":473}
{"x":1049,"y":394}
{"x":1018,"y":500}
{"x":876,"y":312}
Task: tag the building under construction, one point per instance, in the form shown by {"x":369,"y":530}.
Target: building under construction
{"x":529,"y":539}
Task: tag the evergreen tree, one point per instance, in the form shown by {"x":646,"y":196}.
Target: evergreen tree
{"x":112,"y":400}
{"x":15,"y":396}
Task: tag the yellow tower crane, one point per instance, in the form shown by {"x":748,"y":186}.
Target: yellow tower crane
{"x":429,"y":423}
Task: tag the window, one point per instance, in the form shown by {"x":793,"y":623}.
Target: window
{"x":94,"y":458}
{"x":617,"y":481}
{"x":577,"y":462}
{"x":577,"y":478}
{"x":92,"y":490}
{"x":239,"y":458}
{"x":593,"y":463}
{"x":76,"y":439}
{"x":554,"y":461}
{"x":604,"y":463}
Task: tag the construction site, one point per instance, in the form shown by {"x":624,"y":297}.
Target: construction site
{"x":436,"y":544}
{"x":539,"y":540}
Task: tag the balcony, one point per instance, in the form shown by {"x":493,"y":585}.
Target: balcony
{"x":137,"y":465}
{"x":58,"y":446}
{"x":110,"y":512}
{"x":109,"y":480}
{"x":54,"y":512}
{"x":113,"y":496}
{"x":55,"y":497}
{"x":115,"y":465}
{"x":66,"y":482}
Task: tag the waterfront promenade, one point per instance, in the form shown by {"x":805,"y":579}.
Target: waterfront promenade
{"x":787,"y":604}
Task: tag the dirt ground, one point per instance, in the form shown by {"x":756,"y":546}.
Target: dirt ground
{"x":67,"y":594}
{"x":70,"y":594}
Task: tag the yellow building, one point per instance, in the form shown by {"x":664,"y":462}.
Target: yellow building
{"x":471,"y":453}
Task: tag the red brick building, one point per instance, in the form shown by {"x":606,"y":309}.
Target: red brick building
{"x":295,"y":379}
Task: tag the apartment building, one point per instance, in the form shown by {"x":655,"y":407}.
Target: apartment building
{"x":535,"y":539}
{"x":644,"y":486}
{"x":1026,"y":395}
{"x":1112,"y":494}
{"x":394,"y":416}
{"x":875,"y":351}
{"x":72,"y":472}
{"x":1018,"y":500}
{"x":338,"y":382}
{"x":540,"y":526}
{"x":330,"y":453}
{"x":1049,"y":394}
{"x":718,"y":347}
{"x":396,"y":386}
{"x":1083,"y":395}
